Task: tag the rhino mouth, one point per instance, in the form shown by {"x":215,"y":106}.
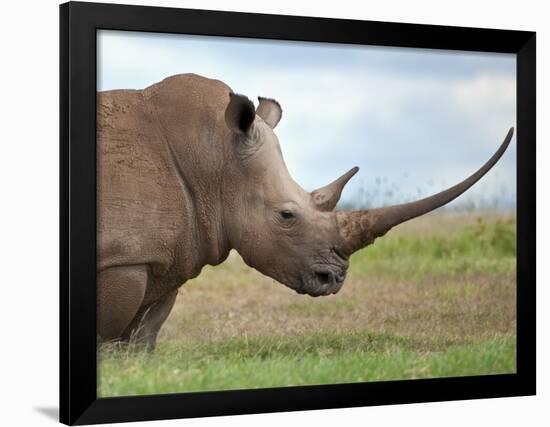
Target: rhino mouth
{"x":322,"y":281}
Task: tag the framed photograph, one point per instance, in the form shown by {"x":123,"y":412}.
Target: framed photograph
{"x":267,"y":213}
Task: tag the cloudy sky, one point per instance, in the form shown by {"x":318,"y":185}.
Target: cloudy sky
{"x":414,"y":120}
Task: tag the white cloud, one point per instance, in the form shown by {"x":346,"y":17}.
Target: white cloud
{"x":487,"y":101}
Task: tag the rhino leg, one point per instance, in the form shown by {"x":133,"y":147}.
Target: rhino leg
{"x":146,"y":325}
{"x":120,"y":292}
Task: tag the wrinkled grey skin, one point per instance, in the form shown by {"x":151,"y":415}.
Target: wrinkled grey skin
{"x":187,"y":171}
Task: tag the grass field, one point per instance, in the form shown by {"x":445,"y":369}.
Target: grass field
{"x":435,"y":297}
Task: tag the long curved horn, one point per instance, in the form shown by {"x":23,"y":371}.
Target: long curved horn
{"x":359,"y":228}
{"x":327,"y":197}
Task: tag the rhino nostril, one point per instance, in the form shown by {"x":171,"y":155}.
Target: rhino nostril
{"x":339,"y":278}
{"x":323,"y":276}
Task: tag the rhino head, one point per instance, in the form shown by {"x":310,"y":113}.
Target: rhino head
{"x":292,"y":235}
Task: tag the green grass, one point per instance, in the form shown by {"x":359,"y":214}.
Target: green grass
{"x":433,"y":299}
{"x":479,"y":247}
{"x":262,"y":362}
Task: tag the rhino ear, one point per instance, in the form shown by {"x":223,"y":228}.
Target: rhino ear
{"x":239,"y":114}
{"x":270,"y":111}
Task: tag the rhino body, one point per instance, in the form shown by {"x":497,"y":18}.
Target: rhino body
{"x":187,"y":171}
{"x":158,"y":202}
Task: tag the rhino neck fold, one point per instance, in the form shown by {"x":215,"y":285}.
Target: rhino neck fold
{"x":206,"y":228}
{"x":198,"y":177}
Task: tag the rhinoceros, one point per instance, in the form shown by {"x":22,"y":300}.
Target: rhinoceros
{"x":188,"y":170}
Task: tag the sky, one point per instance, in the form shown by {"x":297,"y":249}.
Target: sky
{"x":414,"y":120}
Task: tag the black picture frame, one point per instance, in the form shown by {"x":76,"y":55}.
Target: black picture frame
{"x":78,"y":25}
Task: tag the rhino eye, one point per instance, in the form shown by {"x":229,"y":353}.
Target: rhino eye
{"x":286,"y":215}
